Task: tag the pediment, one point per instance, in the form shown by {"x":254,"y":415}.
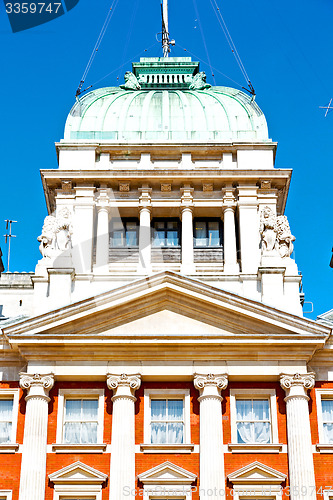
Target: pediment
{"x":256,"y":473}
{"x":78,"y":473}
{"x":167,"y":473}
{"x":167,"y":309}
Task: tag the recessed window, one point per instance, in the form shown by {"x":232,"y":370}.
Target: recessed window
{"x":80,"y":421}
{"x":167,"y":421}
{"x":124,"y":233}
{"x":6,"y":420}
{"x":327,"y":416}
{"x":253,"y":421}
{"x":166,"y":233}
{"x":324,"y":400}
{"x":207,"y":233}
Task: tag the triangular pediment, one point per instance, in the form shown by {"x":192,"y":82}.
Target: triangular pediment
{"x":78,"y":473}
{"x":256,"y":473}
{"x":167,"y":309}
{"x":167,"y":473}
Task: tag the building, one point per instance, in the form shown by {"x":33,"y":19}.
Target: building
{"x":159,"y":349}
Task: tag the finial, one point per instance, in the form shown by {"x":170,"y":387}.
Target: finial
{"x":166,"y":42}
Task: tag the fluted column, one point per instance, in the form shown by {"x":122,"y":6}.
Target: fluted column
{"x":122,"y":471}
{"x":212,"y":475}
{"x":33,"y":466}
{"x":145,"y":230}
{"x":187,"y":266}
{"x":103,"y":236}
{"x":231,"y":265}
{"x":301,"y":469}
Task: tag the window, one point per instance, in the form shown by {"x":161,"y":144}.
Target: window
{"x":324,"y":400}
{"x":207,"y":233}
{"x":5,"y":494}
{"x":124,"y":233}
{"x":77,"y":481}
{"x":253,"y":420}
{"x":167,"y":421}
{"x":9,"y":400}
{"x":80,"y":420}
{"x":166,"y":233}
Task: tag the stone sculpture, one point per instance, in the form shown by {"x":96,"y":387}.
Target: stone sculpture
{"x":199,"y":82}
{"x":275,"y":233}
{"x":131,"y":82}
{"x":56,"y":234}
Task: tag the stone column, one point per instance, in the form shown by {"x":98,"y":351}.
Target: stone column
{"x":83,"y":229}
{"x":103,"y":236}
{"x":33,"y":466}
{"x":212,"y":475}
{"x":122,"y":471}
{"x":231,"y":265}
{"x":145,"y":231}
{"x":187,"y":266}
{"x":301,"y":468}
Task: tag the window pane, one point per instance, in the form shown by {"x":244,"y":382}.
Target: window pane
{"x":158,"y":409}
{"x":260,"y":409}
{"x":200,"y":234}
{"x":327,"y":409}
{"x":159,"y":238}
{"x":131,"y":234}
{"x":72,"y":432}
{"x":175,"y":433}
{"x":175,"y":409}
{"x":6,"y":409}
{"x":73,"y":409}
{"x":328,"y":433}
{"x":245,"y":432}
{"x":262,"y":432}
{"x":172,"y":234}
{"x":88,"y":433}
{"x":5,"y":432}
{"x":158,"y":433}
{"x":213,"y":234}
{"x":244,"y":409}
{"x":118,"y":239}
{"x":89,"y":409}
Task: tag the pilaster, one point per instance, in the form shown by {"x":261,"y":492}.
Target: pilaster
{"x":186,"y":208}
{"x":83,"y":229}
{"x":103,"y":236}
{"x":145,"y":210}
{"x":231,"y":265}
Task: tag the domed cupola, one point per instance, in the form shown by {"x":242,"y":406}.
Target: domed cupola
{"x":163,"y":100}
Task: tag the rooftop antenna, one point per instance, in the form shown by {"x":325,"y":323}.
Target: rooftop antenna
{"x":8,"y":236}
{"x":328,"y":108}
{"x":166,"y":42}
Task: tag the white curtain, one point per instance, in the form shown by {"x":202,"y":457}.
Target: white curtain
{"x":253,"y":425}
{"x":327,"y":411}
{"x":163,"y":429}
{"x":6,"y":416}
{"x":81,"y":421}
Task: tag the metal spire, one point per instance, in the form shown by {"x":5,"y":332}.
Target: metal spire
{"x":166,"y":42}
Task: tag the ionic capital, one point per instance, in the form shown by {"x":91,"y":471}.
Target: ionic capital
{"x":187,"y":197}
{"x":297,"y":385}
{"x":210,"y":386}
{"x":124,"y":386}
{"x":229,"y":199}
{"x":37,"y":386}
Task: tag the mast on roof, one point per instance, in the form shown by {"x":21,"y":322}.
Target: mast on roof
{"x":166,"y":42}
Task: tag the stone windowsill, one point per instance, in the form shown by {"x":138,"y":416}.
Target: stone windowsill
{"x":78,"y":448}
{"x":255,"y":448}
{"x":324,"y":448}
{"x":166,"y":448}
{"x":9,"y":447}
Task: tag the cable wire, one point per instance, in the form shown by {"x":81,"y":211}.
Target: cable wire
{"x":203,"y":38}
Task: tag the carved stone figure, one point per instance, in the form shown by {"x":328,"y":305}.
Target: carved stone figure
{"x":131,"y":82}
{"x":56,"y":234}
{"x":199,"y":82}
{"x":284,"y":236}
{"x":276,"y":234}
{"x":268,"y":229}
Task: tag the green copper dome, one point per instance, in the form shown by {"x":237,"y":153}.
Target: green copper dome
{"x":166,"y":100}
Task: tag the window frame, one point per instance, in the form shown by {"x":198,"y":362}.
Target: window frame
{"x":64,"y":394}
{"x":186,"y":446}
{"x":321,"y":394}
{"x":124,"y":221}
{"x":165,"y":220}
{"x":7,"y":494}
{"x":270,"y":395}
{"x":11,"y":446}
{"x":207,"y":220}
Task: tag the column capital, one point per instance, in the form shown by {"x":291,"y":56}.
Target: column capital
{"x":103,"y":199}
{"x":124,"y":386}
{"x":145,"y":198}
{"x":210,"y":385}
{"x":36,"y":385}
{"x":297,"y":385}
{"x":229,"y":199}
{"x":187,"y":198}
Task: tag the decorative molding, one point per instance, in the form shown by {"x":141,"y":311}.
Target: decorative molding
{"x":166,"y":188}
{"x":208,"y":187}
{"x":167,"y":473}
{"x":37,"y":385}
{"x":131,"y":381}
{"x":202,"y":381}
{"x":265,"y":184}
{"x":9,"y":447}
{"x":78,"y":473}
{"x":306,"y":381}
{"x":78,"y":448}
{"x":257,"y":473}
{"x":167,"y":448}
{"x":324,"y":448}
{"x":66,"y":186}
{"x":124,"y":187}
{"x":254,"y":448}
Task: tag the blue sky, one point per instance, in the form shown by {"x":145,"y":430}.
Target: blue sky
{"x":286,"y":48}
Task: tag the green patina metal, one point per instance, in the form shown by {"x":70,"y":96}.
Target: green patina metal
{"x":163,"y":100}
